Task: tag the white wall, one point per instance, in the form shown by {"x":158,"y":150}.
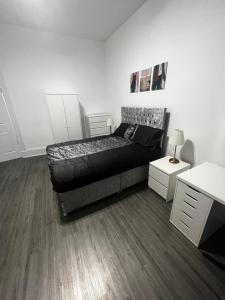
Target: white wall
{"x":35,"y":63}
{"x":190,"y":35}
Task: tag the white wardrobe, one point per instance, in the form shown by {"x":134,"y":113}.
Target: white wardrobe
{"x":65,"y":118}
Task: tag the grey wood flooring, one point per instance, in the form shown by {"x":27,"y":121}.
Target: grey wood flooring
{"x":120,"y":248}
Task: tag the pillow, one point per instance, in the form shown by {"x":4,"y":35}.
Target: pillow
{"x":129,"y":131}
{"x":147,"y":136}
{"x":121,"y":130}
{"x":133,"y":134}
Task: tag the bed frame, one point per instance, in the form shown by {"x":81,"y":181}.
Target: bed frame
{"x":72,"y":200}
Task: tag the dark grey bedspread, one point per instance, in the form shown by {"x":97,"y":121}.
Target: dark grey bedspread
{"x":78,"y":163}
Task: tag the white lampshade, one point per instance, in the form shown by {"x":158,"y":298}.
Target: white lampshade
{"x":177,"y":137}
{"x":109,"y":122}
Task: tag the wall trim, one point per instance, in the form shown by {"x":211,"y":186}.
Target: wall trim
{"x":29,"y":152}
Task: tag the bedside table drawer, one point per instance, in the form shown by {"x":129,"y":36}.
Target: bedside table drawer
{"x":157,"y":187}
{"x":158,"y":175}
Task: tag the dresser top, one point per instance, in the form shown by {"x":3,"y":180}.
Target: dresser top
{"x":98,"y":115}
{"x":208,"y":178}
{"x":164,"y":165}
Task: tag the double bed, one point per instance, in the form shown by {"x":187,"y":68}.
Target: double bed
{"x":88,"y":170}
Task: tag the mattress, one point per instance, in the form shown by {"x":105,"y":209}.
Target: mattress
{"x":78,"y":163}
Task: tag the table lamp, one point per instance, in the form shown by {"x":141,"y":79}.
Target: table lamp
{"x":176,"y":139}
{"x":110,"y":124}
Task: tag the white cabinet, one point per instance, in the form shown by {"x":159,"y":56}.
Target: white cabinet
{"x":190,"y":211}
{"x":97,"y":124}
{"x":64,"y":112}
{"x":162,"y":176}
{"x":199,"y":203}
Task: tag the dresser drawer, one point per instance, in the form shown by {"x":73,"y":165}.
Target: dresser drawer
{"x":193,"y":193}
{"x":97,"y":119}
{"x":189,"y":226}
{"x":186,"y":228}
{"x":158,"y":175}
{"x":189,"y":198}
{"x":98,"y":124}
{"x":157,"y":187}
{"x":189,"y":214}
{"x":100,"y":131}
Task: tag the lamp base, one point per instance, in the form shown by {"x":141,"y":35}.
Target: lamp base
{"x":174,"y":160}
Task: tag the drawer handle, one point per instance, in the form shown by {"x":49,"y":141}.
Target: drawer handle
{"x":185,"y":224}
{"x":193,"y":189}
{"x":189,"y":204}
{"x":186,"y":214}
{"x":191,"y":197}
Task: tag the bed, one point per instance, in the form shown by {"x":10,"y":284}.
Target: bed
{"x":88,"y":170}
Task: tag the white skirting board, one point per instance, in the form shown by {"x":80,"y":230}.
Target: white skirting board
{"x":29,"y":152}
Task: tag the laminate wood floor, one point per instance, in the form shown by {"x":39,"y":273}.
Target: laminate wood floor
{"x":120,"y":248}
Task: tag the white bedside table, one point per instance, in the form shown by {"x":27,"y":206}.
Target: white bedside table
{"x":199,"y":202}
{"x":162,"y":176}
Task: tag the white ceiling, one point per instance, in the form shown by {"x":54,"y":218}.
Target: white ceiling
{"x":93,"y":19}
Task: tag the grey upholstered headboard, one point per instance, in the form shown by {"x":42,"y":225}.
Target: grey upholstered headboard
{"x":152,"y":116}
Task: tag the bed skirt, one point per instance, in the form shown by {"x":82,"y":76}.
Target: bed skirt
{"x":72,"y":200}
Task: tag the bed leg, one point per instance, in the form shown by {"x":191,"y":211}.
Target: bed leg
{"x":65,"y":214}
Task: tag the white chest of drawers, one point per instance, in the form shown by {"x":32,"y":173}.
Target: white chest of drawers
{"x":162,"y":176}
{"x":199,"y":202}
{"x":97,"y":124}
